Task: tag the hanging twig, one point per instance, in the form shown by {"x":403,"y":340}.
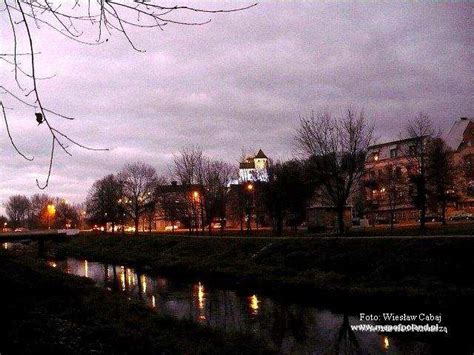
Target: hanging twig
{"x":113,"y":16}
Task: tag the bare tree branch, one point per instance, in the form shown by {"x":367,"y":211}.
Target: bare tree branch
{"x":69,"y":19}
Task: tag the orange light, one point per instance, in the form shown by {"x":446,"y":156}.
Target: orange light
{"x":250,"y":187}
{"x":51,"y":210}
{"x":196,"y":194}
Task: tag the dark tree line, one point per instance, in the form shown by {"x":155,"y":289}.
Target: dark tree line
{"x":33,"y":212}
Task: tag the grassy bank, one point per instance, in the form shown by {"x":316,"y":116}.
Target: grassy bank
{"x":431,"y":269}
{"x":436,"y":228}
{"x":45,"y":311}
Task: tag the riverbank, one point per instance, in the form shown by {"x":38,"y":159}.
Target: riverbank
{"x":429,"y":270}
{"x":46,"y":311}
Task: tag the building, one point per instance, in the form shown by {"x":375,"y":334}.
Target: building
{"x":180,"y":207}
{"x":254,"y":168}
{"x":386,"y":186}
{"x":460,"y":138}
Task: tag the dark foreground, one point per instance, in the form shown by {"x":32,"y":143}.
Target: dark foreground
{"x":45,"y":311}
{"x":436,"y":271}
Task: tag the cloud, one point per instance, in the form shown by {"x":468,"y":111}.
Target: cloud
{"x":240,"y":81}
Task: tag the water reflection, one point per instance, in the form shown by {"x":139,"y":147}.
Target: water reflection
{"x":86,"y":269}
{"x":201,"y":301}
{"x":253,"y":304}
{"x":290,"y":328}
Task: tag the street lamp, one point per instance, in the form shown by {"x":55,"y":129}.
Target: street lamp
{"x":51,"y":212}
{"x":195,"y":200}
{"x":250,"y":189}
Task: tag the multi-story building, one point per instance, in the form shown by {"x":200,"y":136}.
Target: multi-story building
{"x":386,"y":184}
{"x":460,"y":138}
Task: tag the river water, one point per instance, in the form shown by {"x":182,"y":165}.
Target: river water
{"x":292,"y":328}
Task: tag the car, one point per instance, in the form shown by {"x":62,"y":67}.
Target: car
{"x":21,"y":229}
{"x":461,"y":216}
{"x":171,"y":228}
{"x":216,"y":225}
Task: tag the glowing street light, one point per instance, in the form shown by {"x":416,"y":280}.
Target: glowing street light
{"x":250,"y":187}
{"x":51,"y":210}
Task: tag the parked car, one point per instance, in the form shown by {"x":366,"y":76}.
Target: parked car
{"x":171,"y":228}
{"x":21,"y":229}
{"x":217,"y":225}
{"x":461,"y":216}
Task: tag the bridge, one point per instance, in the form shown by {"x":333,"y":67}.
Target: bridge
{"x":60,"y":235}
{"x":37,"y":236}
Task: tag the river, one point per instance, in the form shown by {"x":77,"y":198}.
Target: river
{"x":290,"y":327}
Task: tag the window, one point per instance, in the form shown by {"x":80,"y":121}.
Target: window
{"x":393,"y":153}
{"x":412,"y":150}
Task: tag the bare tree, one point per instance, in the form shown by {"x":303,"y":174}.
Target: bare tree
{"x":37,"y":215}
{"x":189,"y":171}
{"x":3,"y":222}
{"x":188,"y":165}
{"x":66,"y":215}
{"x":216,"y":176}
{"x":103,"y":201}
{"x":420,"y":130}
{"x":393,"y":186}
{"x":286,"y":193}
{"x":441,"y":173}
{"x":173,"y":205}
{"x":337,"y":147}
{"x":17,"y":208}
{"x":90,"y":23}
{"x":139,"y":185}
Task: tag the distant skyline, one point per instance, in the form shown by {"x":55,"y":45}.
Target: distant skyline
{"x":240,"y":81}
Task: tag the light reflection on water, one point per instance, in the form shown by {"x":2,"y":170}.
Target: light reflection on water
{"x":291,"y":328}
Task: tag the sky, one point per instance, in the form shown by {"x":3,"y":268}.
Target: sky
{"x":240,"y":82}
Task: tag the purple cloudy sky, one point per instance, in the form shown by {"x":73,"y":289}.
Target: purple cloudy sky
{"x":239,"y":82}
